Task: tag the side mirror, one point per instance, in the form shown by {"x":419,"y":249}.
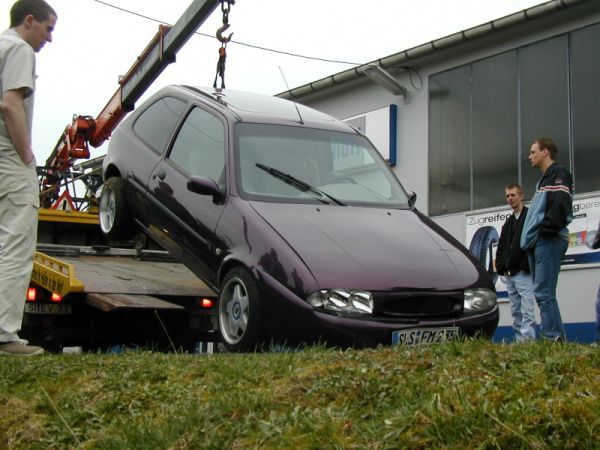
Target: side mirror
{"x":412,"y":199}
{"x":205,"y":186}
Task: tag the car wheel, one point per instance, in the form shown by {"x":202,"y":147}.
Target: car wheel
{"x":482,"y":248}
{"x":240,"y":312}
{"x":115,"y":220}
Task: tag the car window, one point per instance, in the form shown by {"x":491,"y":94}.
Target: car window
{"x":199,"y":148}
{"x":156,"y":124}
{"x":349,"y":156}
{"x":282,"y":163}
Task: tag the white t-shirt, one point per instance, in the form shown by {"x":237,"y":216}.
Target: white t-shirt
{"x":17,"y":69}
{"x":18,"y":182}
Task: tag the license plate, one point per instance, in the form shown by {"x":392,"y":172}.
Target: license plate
{"x":47,"y":308}
{"x":424,"y":336}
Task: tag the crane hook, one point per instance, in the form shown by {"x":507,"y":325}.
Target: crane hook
{"x":223,"y":40}
{"x":225,"y":8}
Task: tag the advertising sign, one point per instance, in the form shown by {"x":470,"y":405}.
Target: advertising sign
{"x":483,"y":232}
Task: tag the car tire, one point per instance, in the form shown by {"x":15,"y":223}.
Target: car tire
{"x":240,"y":312}
{"x":481,"y":247}
{"x":115,"y":219}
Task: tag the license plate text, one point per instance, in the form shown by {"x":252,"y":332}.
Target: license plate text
{"x":47,"y":308}
{"x":424,"y":336}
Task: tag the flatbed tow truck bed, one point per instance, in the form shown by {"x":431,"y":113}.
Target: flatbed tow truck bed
{"x":108,"y":274}
{"x":106,"y":296}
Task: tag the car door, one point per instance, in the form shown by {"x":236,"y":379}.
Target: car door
{"x":189,"y":220}
{"x":146,"y":144}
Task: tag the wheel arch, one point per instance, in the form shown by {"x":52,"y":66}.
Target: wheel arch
{"x":111,"y":171}
{"x":231,"y":263}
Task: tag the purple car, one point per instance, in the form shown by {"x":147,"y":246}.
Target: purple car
{"x":294,"y":219}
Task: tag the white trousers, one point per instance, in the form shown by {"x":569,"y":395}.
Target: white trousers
{"x":18,"y":235}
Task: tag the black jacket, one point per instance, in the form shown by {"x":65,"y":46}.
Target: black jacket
{"x":510,"y":258}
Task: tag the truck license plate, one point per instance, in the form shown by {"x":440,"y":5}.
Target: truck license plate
{"x":47,"y":308}
{"x":424,"y":336}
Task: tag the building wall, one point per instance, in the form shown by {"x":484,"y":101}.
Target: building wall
{"x":363,"y":96}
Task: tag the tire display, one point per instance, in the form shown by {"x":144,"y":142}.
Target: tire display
{"x":481,"y":247}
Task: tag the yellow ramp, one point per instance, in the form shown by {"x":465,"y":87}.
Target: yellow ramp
{"x":55,"y":275}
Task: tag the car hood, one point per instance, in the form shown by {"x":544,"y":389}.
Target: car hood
{"x":369,"y":248}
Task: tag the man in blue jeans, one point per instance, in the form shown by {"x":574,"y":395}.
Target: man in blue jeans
{"x":596,"y":245}
{"x":513,"y":266}
{"x":598,"y":316}
{"x":545,"y":235}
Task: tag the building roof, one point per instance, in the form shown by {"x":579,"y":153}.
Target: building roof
{"x":406,"y":57}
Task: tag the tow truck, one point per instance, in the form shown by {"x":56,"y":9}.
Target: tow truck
{"x":87,"y":292}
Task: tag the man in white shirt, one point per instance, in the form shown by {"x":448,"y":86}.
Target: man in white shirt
{"x":31,"y":25}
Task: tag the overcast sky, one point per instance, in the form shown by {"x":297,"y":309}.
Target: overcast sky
{"x":94,"y":43}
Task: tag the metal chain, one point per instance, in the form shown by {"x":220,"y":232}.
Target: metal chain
{"x":225,"y":8}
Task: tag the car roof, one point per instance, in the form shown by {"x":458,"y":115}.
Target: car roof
{"x":258,"y":108}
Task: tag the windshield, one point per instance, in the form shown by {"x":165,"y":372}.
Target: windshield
{"x":295,"y":164}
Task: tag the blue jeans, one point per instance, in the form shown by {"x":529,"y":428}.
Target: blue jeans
{"x":598,"y":316}
{"x":520,"y":294}
{"x":544,"y":260}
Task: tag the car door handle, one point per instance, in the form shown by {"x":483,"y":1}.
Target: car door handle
{"x":160,"y":173}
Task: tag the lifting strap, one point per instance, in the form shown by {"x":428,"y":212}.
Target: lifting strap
{"x":225,"y":8}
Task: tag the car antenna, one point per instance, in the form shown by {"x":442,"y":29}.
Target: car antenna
{"x":288,"y":88}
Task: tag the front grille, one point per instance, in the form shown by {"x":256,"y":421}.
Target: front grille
{"x":418,"y":304}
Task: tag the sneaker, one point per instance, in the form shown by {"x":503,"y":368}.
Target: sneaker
{"x":20,"y":348}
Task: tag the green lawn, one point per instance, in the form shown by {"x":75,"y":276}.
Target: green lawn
{"x":458,"y":395}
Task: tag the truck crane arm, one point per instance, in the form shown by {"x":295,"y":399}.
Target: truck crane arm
{"x":84,"y":131}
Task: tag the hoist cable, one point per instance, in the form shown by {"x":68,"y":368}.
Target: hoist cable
{"x":257,"y":47}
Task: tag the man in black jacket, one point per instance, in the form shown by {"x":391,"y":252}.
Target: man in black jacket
{"x":512,"y":264}
{"x":596,"y":245}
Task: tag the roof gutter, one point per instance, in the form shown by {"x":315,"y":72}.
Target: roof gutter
{"x":405,"y":57}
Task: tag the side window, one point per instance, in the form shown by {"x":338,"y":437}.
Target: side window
{"x":199,"y":148}
{"x":156,"y":124}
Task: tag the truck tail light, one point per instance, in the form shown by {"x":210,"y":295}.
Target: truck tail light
{"x":206,"y":303}
{"x":31,"y":294}
{"x":55,"y":297}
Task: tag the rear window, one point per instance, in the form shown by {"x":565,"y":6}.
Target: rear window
{"x":156,"y":124}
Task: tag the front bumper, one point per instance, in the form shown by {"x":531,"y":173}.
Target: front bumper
{"x":290,"y":319}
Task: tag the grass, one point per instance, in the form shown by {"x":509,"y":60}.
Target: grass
{"x":458,"y":395}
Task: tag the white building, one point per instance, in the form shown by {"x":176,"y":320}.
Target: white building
{"x":456,"y":118}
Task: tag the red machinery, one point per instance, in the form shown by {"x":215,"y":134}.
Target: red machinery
{"x":85,"y":131}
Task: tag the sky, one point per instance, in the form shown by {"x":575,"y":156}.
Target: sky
{"x":94,"y":43}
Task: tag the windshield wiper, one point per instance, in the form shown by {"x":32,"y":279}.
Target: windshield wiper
{"x":299,"y":184}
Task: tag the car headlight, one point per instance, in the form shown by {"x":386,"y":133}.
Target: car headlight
{"x":479,"y":300}
{"x":342,"y":301}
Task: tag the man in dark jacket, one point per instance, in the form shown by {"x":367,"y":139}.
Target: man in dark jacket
{"x":596,"y":245}
{"x":513,"y":266}
{"x":545,"y":235}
